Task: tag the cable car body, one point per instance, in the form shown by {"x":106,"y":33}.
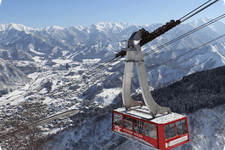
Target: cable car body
{"x":153,"y":125}
{"x":164,"y":132}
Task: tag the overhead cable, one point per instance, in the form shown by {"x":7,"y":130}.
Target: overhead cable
{"x":194,"y":10}
{"x":191,"y":50}
{"x":186,"y":34}
{"x":192,"y":13}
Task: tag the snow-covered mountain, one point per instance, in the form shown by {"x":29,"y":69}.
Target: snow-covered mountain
{"x":204,"y":58}
{"x":103,"y":41}
{"x":10,"y":76}
{"x":200,"y":96}
{"x":217,"y":27}
{"x":87,"y":41}
{"x":55,"y":58}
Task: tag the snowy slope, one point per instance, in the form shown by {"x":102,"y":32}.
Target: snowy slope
{"x":206,"y":126}
{"x":102,"y":41}
{"x":102,"y":37}
{"x":179,"y":65}
{"x":55,"y":58}
{"x":10,"y":76}
{"x":207,"y":131}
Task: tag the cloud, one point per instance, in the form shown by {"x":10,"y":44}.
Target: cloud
{"x":0,"y":2}
{"x":224,"y":1}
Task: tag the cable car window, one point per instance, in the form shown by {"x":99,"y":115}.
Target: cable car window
{"x":181,"y":127}
{"x":171,"y":125}
{"x":138,"y":127}
{"x":117,"y":115}
{"x":177,"y":123}
{"x":150,"y":133}
{"x":117,"y":121}
{"x":128,"y":118}
{"x":183,"y":121}
{"x":128,"y":124}
{"x":169,"y":131}
{"x":150,"y":125}
{"x":139,"y":122}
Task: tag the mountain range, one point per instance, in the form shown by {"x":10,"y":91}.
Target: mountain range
{"x":50,"y":65}
{"x":103,"y":41}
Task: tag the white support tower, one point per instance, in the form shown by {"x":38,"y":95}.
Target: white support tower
{"x":134,"y":54}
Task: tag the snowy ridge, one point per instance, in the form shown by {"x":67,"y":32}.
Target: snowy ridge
{"x":19,"y":27}
{"x":106,"y":37}
{"x":55,"y":59}
{"x":10,"y":75}
{"x":217,"y":27}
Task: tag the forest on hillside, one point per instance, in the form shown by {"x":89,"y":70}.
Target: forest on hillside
{"x":205,"y":89}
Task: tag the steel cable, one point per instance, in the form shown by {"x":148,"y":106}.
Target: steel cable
{"x":154,"y":50}
{"x":194,"y":10}
{"x":186,"y":34}
{"x":190,"y":51}
{"x":189,"y":15}
{"x":184,"y":18}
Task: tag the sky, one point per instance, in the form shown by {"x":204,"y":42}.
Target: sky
{"x":66,"y":13}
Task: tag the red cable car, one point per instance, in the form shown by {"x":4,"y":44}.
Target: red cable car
{"x":165,"y":131}
{"x":152,"y":124}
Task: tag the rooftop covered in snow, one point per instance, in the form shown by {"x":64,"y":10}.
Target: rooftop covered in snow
{"x":143,"y":113}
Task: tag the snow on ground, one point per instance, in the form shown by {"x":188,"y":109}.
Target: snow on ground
{"x":39,"y":59}
{"x":62,"y":61}
{"x":39,"y":53}
{"x":33,"y":75}
{"x":54,"y":131}
{"x":22,"y":63}
{"x":106,"y":97}
{"x":44,"y":90}
{"x":13,"y":97}
{"x":94,"y":134}
{"x":76,"y":106}
{"x":91,"y":60}
{"x":48,"y":131}
{"x":36,"y":58}
{"x":49,"y":100}
{"x":56,"y":84}
{"x":64,"y":52}
{"x":17,"y":95}
{"x":206,"y":128}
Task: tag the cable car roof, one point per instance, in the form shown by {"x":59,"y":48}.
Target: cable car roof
{"x":143,"y":113}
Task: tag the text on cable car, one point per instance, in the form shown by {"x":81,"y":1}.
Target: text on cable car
{"x":127,"y":131}
{"x":138,"y":135}
{"x":174,"y":142}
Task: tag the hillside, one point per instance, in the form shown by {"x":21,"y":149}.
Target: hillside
{"x":58,"y":62}
{"x":205,"y":125}
{"x":10,"y":76}
{"x":32,"y":50}
{"x":205,"y":89}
